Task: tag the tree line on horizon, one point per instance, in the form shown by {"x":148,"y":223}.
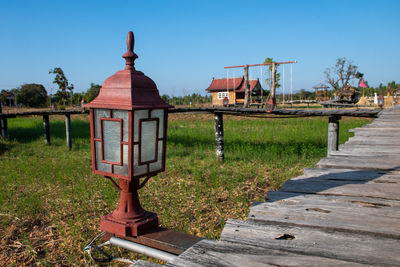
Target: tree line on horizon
{"x":35,"y":95}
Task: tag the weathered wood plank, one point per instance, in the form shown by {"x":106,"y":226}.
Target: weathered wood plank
{"x":140,"y":263}
{"x":384,"y":139}
{"x":355,"y":152}
{"x":362,"y":221}
{"x":353,"y":162}
{"x":373,"y":142}
{"x":367,"y":148}
{"x":310,"y":241}
{"x":353,"y":202}
{"x":211,"y":253}
{"x":343,"y":188}
{"x":349,"y":175}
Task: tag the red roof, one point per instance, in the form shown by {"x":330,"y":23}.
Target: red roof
{"x":225,"y":84}
{"x":231,"y":84}
{"x":252,"y":83}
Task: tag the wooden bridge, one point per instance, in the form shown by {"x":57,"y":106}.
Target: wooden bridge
{"x":345,"y":211}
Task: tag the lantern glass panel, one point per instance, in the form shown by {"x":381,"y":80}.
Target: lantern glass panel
{"x":122,"y":114}
{"x":139,"y":114}
{"x":148,"y":140}
{"x":138,"y":169}
{"x":123,"y":170}
{"x":155,"y":166}
{"x":100,"y":165}
{"x":159,"y":113}
{"x":99,"y":113}
{"x":112,"y":141}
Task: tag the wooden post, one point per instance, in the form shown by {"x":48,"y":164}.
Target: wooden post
{"x":46,"y":129}
{"x":273,"y":87}
{"x":246,"y":87}
{"x":1,"y":131}
{"x":68,"y":137}
{"x":4,"y":127}
{"x":333,"y":134}
{"x":219,"y":136}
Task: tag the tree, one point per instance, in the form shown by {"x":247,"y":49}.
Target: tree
{"x":32,"y":95}
{"x":63,"y":84}
{"x":342,"y":74}
{"x":92,"y":92}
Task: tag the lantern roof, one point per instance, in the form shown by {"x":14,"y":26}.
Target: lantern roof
{"x":128,"y":89}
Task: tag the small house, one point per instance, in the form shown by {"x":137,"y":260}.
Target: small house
{"x":233,"y":90}
{"x":7,"y":98}
{"x":321,"y":92}
{"x":348,"y":93}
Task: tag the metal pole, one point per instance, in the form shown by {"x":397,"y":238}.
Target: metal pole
{"x":219,"y":136}
{"x":68,"y":137}
{"x":333,"y":134}
{"x":46,"y":129}
{"x":152,"y":252}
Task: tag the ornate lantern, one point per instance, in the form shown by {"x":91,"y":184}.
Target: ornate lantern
{"x":128,"y":123}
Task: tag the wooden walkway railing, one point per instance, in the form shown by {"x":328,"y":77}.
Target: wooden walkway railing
{"x":333,"y":115}
{"x":343,"y":212}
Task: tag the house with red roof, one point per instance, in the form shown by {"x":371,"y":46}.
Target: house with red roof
{"x":233,"y":90}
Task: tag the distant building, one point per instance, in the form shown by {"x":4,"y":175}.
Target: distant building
{"x":233,"y":90}
{"x":7,"y":99}
{"x":348,"y":93}
{"x":321,"y":92}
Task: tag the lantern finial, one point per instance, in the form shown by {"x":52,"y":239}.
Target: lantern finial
{"x":130,"y":56}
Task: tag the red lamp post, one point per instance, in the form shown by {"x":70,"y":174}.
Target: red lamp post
{"x":128,"y":124}
{"x":380,"y":100}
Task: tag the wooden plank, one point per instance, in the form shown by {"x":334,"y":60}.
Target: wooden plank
{"x":367,"y":148}
{"x":352,"y":162}
{"x":140,"y":263}
{"x":382,"y":206}
{"x":386,"y":133}
{"x":356,"y":152}
{"x":350,"y":175}
{"x":212,"y":253}
{"x":373,"y":142}
{"x":310,"y":241}
{"x":375,"y":130}
{"x":315,"y":185}
{"x":385,"y":139}
{"x":329,"y":218}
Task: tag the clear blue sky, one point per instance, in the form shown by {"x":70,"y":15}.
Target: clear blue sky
{"x":182,"y":45}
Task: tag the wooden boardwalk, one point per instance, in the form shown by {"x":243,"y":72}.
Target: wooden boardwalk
{"x":345,"y":211}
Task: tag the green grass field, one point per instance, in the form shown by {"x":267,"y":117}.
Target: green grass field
{"x":51,"y":203}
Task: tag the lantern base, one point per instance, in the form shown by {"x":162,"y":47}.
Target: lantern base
{"x":127,"y":228}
